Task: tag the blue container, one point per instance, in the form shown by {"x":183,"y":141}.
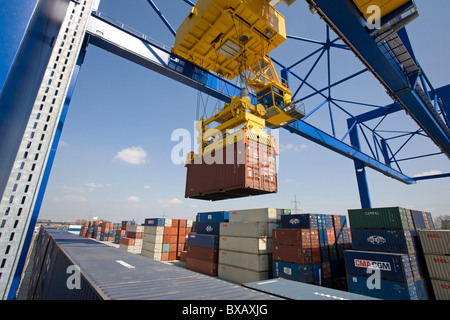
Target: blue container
{"x":392,"y":266}
{"x":216,"y":216}
{"x":324,"y":253}
{"x":323,"y":237}
{"x":317,"y":272}
{"x":418,"y":219}
{"x":430,"y":221}
{"x":155,"y":222}
{"x":388,"y":290}
{"x":293,"y":271}
{"x":300,"y":221}
{"x":391,"y":240}
{"x":208,"y":228}
{"x":203,"y":240}
{"x":422,"y":291}
{"x":344,"y":221}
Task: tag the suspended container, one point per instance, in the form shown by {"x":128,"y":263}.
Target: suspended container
{"x":245,"y":167}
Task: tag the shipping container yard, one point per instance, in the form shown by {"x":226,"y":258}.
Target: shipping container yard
{"x":261,"y":254}
{"x":200,"y":220}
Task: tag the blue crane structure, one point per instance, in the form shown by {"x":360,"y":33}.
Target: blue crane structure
{"x":388,"y":56}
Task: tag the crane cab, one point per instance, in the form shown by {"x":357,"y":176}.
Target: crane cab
{"x":280,"y":110}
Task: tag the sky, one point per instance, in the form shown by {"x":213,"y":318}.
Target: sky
{"x":114,"y":160}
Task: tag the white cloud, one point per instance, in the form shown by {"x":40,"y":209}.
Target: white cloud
{"x":167,"y":203}
{"x":147,"y":187}
{"x":427,"y":173}
{"x":94,"y":185}
{"x":290,"y":146}
{"x":67,"y":189}
{"x":175,"y":201}
{"x":71,"y":197}
{"x":133,"y":199}
{"x":132,"y":155}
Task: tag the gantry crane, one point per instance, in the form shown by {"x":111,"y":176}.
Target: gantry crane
{"x":234,"y":40}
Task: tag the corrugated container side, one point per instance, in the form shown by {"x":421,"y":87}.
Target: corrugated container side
{"x":202,"y":266}
{"x":208,"y":228}
{"x":441,"y":289}
{"x":201,"y":253}
{"x":288,"y":236}
{"x":258,"y":245}
{"x":300,"y":221}
{"x":438,"y":266}
{"x":388,"y":290}
{"x":418,"y":219}
{"x":215,"y":216}
{"x":254,"y":215}
{"x":395,"y":267}
{"x":394,"y":240}
{"x":294,"y":254}
{"x":435,"y":241}
{"x":255,"y":262}
{"x":257,"y":175}
{"x":295,"y":271}
{"x":247,"y":229}
{"x":379,"y":218}
{"x":239,"y":275}
{"x":203,"y":240}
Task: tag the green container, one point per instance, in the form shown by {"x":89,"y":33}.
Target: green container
{"x":379,"y":218}
{"x":166,"y":247}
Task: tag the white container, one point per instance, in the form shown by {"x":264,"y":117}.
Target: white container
{"x":189,"y":223}
{"x":136,"y":228}
{"x":159,"y":231}
{"x":438,"y":266}
{"x":441,"y":289}
{"x":151,"y":254}
{"x":253,"y":215}
{"x":150,"y":246}
{"x":239,"y":275}
{"x":435,"y":241}
{"x":153,"y":238}
{"x":247,"y":229}
{"x":250,"y":261}
{"x":258,"y":245}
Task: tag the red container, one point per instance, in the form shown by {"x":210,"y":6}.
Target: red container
{"x":172,"y":256}
{"x":183,"y":255}
{"x":294,"y":254}
{"x":250,"y":170}
{"x":135,"y":235}
{"x":182,"y":223}
{"x":202,"y":266}
{"x":331,"y":236}
{"x":164,"y":256}
{"x":207,"y":254}
{"x":295,"y":237}
{"x":127,"y":241}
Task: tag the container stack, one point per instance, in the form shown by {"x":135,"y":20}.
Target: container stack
{"x":245,"y":245}
{"x":122,"y":232}
{"x":164,"y":239}
{"x":384,"y":252}
{"x":435,"y":245}
{"x":133,"y":242}
{"x":343,"y":242}
{"x":203,"y":245}
{"x":308,"y":249}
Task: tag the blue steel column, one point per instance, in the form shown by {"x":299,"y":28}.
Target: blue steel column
{"x":360,"y":168}
{"x":45,"y":177}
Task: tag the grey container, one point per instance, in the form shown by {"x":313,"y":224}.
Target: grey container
{"x":435,"y":241}
{"x":441,"y":289}
{"x":438,"y":266}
